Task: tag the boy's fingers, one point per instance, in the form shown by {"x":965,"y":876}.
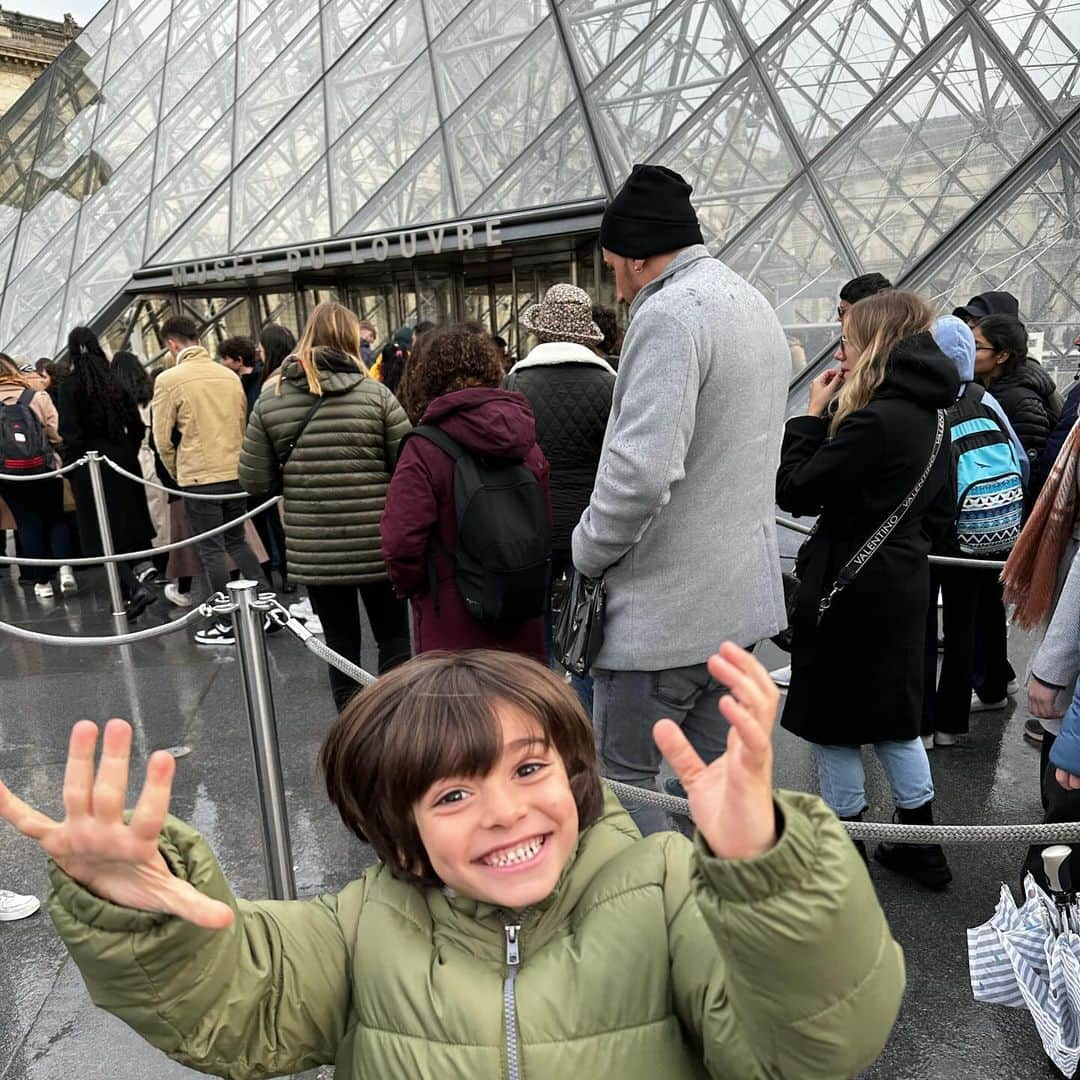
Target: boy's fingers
{"x":676,"y":748}
{"x":753,"y":734}
{"x":110,"y":787}
{"x":153,"y":804}
{"x":79,"y":772}
{"x":25,"y":818}
{"x":749,"y":664}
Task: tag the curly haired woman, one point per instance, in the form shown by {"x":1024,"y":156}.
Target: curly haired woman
{"x":453,"y":384}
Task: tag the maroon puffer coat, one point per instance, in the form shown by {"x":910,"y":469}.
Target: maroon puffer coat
{"x":420,"y":505}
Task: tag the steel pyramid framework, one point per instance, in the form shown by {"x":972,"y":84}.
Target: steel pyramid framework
{"x":933,"y":140}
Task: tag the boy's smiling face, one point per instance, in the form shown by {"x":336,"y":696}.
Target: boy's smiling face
{"x":503,"y":838}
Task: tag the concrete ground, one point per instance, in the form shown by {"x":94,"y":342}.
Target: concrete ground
{"x":175,"y":692}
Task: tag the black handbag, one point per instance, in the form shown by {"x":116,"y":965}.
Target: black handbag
{"x":852,"y":567}
{"x":579,"y":631}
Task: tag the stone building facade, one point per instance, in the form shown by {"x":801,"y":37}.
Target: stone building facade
{"x":27,"y":46}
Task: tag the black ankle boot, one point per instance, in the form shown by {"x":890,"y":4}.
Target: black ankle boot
{"x":860,"y":847}
{"x":287,"y":587}
{"x":924,"y":863}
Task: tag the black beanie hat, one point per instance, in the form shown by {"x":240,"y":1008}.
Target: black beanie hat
{"x":650,"y":215}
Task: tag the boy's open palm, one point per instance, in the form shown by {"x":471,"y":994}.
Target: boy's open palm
{"x":118,"y":861}
{"x":732,"y":799}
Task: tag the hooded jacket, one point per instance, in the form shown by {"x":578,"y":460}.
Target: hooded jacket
{"x":853,"y":481}
{"x":205,"y":402}
{"x":419,"y":525}
{"x":1031,"y":401}
{"x":652,"y":958}
{"x":956,"y":341}
{"x":336,"y":479}
{"x":569,"y":388}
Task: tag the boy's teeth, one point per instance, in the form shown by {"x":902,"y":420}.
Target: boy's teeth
{"x":515,"y":855}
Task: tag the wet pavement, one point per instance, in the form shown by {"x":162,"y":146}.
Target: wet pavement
{"x":177,"y":693}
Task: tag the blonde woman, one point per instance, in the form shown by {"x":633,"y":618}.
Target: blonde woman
{"x":327,"y":436}
{"x":857,"y":667}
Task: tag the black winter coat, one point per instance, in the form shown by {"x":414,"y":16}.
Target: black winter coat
{"x":1031,"y":402}
{"x":857,"y":677}
{"x":129,"y":515}
{"x":569,"y":388}
{"x":1040,"y":471}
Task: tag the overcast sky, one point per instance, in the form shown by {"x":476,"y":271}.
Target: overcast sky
{"x":82,"y":10}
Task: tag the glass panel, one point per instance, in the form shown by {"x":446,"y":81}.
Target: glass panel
{"x":344,"y":21}
{"x":136,"y":73}
{"x":1044,"y":36}
{"x":376,"y":60}
{"x":926,"y":155}
{"x":279,"y":308}
{"x":197,"y":174}
{"x":268,"y":38}
{"x":279,"y":88}
{"x":20,"y":129}
{"x":95,"y":35}
{"x":510,"y":111}
{"x":205,"y":235}
{"x":419,"y":193}
{"x":41,"y":225}
{"x":735,"y":156}
{"x":203,"y":107}
{"x":478,"y":41}
{"x":558,"y":168}
{"x":761,"y":17}
{"x":43,"y":336}
{"x":187,"y":17}
{"x":383,"y":139}
{"x":104,"y":276}
{"x":106,"y":210}
{"x":26,"y":294}
{"x":198,"y":52}
{"x":1027,"y":248}
{"x":601,"y":30}
{"x":136,"y":21}
{"x":670,"y":73}
{"x":443,"y":12}
{"x":792,"y":257}
{"x":250,"y":10}
{"x":6,"y":247}
{"x":139,"y":120}
{"x":841,"y":54}
{"x":276,"y":166}
{"x":308,"y":202}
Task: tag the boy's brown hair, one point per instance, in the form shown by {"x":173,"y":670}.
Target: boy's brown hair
{"x":435,"y":717}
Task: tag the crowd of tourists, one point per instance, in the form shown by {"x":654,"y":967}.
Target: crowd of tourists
{"x":468,"y":501}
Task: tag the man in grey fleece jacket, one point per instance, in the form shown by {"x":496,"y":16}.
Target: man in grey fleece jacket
{"x":681,"y":520}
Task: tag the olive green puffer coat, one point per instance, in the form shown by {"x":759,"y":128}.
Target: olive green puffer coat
{"x":652,"y":958}
{"x":336,"y":479}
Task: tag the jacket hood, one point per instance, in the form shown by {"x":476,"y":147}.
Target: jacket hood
{"x":485,"y":420}
{"x":989,"y":303}
{"x":955,"y":339}
{"x":337,"y":371}
{"x":919,"y":371}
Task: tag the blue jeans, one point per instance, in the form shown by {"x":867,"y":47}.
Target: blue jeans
{"x":843,"y":782}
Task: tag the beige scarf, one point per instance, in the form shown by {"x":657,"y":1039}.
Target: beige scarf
{"x":1030,"y":574}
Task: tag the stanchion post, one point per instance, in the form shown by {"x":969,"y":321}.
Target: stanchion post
{"x":101,"y":509}
{"x":259,"y":701}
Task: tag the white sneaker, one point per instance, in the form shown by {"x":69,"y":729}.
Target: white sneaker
{"x":782,"y":677}
{"x":302,"y":610}
{"x":68,"y":584}
{"x":175,"y":596}
{"x":928,"y":742}
{"x":44,"y":591}
{"x":13,"y":906}
{"x":978,"y":705}
{"x":1012,"y":689}
{"x":944,"y":738}
{"x":313,"y":625}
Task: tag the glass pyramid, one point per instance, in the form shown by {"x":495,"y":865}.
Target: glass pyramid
{"x":937,"y":141}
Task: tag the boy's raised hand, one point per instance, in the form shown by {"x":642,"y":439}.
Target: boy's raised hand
{"x":117,"y":861}
{"x":732,"y":799}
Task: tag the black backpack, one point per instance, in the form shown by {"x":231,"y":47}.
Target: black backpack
{"x":24,"y":449}
{"x":503,"y":551}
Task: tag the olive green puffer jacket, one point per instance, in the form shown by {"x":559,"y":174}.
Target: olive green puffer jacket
{"x":335,"y":482}
{"x":652,"y":958}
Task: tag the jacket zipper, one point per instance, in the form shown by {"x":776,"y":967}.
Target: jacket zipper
{"x":513,"y":963}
